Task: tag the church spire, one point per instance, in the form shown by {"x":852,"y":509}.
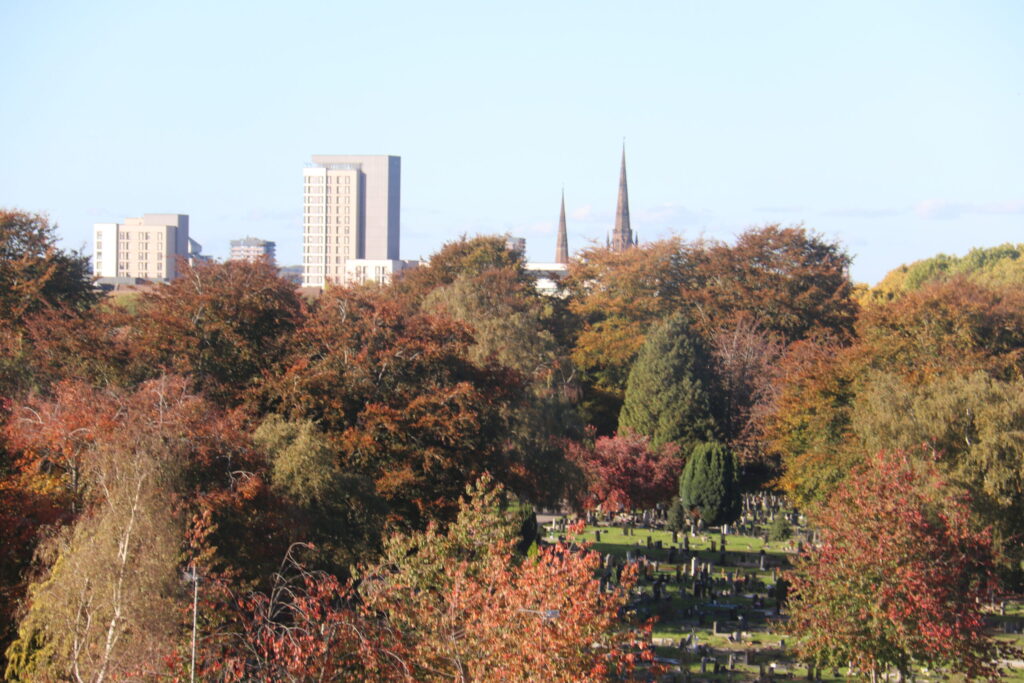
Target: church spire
{"x":562,"y":245}
{"x":622,"y":238}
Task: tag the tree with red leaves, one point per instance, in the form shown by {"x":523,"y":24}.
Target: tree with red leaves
{"x":453,"y":605}
{"x":897,"y":578}
{"x":624,"y":471}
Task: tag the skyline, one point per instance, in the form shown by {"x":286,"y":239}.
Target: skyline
{"x":891,"y":129}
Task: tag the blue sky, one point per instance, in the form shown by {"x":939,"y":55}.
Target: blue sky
{"x":893,"y":127}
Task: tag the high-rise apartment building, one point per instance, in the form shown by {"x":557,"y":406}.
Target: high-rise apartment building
{"x":146,"y":247}
{"x":252,"y":249}
{"x":351,"y":212}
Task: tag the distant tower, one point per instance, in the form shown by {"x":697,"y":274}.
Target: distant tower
{"x":622,"y":238}
{"x":562,"y":245}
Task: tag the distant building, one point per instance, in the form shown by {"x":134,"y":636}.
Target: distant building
{"x":516,"y":244}
{"x":252,"y":249}
{"x":143,"y":248}
{"x":380,"y":271}
{"x":291,"y":273}
{"x":547,"y":276}
{"x":350,"y":212}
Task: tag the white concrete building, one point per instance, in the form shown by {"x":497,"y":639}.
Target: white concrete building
{"x":362,"y":271}
{"x":252,"y":249}
{"x":350,"y":212}
{"x":146,"y":248}
{"x":547,"y":275}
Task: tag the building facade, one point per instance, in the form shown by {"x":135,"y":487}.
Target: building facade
{"x":252,"y":249}
{"x":143,"y":248}
{"x":350,"y":212}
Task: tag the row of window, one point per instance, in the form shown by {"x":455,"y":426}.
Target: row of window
{"x":319,"y":179}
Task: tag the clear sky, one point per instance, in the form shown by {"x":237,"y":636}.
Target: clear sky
{"x":893,"y":127}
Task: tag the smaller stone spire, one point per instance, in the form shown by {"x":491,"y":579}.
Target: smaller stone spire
{"x":562,"y":245}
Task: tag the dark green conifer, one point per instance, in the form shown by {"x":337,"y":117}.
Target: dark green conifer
{"x":669,"y":388}
{"x":708,"y":484}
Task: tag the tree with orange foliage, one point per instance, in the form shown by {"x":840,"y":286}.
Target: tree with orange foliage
{"x":457,"y":605}
{"x":898,"y":577}
{"x":34,"y":273}
{"x":618,"y":296}
{"x":221,"y":324}
{"x":788,"y":280}
{"x":400,"y":401}
{"x":957,"y":326}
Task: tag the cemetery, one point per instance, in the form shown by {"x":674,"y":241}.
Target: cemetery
{"x":717,"y":596}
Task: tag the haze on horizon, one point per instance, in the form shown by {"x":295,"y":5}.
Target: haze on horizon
{"x":894,"y":128}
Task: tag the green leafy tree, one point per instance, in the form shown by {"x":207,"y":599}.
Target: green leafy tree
{"x":670,"y":388}
{"x":708,"y":484}
{"x":975,"y":425}
{"x":337,"y":510}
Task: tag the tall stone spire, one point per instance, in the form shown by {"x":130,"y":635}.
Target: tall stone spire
{"x":562,"y":245}
{"x":622,"y":238}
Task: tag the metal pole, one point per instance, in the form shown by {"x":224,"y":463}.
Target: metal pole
{"x":195,"y":606}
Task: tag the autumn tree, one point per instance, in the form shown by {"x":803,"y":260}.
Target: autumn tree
{"x":789,"y":280}
{"x":898,"y":577}
{"x":399,"y":400}
{"x":106,"y":608}
{"x":672,"y":394}
{"x":619,"y":296}
{"x":943,"y":331}
{"x":222,"y":324}
{"x":975,"y":426}
{"x":512,"y":326}
{"x":805,"y":422}
{"x":957,"y":326}
{"x":462,"y":258}
{"x":708,"y":485}
{"x":34,"y":273}
{"x":454,"y":605}
{"x":625,"y":471}
{"x":745,"y":358}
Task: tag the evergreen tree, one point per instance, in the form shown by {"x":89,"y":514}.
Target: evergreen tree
{"x":708,"y":484}
{"x":668,"y":395}
{"x":676,"y":515}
